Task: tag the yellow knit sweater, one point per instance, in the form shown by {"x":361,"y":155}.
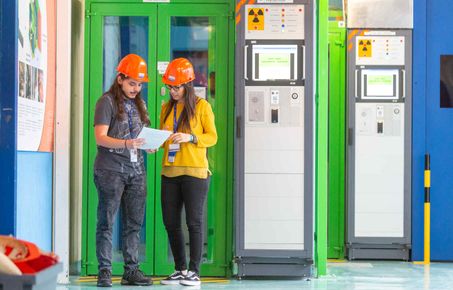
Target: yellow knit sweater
{"x":191,"y":159}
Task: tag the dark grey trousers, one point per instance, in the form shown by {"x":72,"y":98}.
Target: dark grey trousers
{"x":190,"y":192}
{"x":114,"y":190}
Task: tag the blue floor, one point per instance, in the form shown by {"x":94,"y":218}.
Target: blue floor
{"x":341,"y":275}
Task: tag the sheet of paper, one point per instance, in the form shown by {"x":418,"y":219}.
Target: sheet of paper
{"x":153,"y":137}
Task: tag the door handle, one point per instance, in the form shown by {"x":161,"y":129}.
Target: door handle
{"x":350,"y":136}
{"x":339,"y":43}
{"x":238,"y":127}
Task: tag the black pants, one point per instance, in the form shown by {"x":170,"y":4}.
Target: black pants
{"x":190,"y":192}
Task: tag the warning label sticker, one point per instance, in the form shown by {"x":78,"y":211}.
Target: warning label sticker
{"x":365,"y":47}
{"x":255,"y":19}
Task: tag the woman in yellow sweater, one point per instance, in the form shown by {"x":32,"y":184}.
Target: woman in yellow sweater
{"x":185,"y":173}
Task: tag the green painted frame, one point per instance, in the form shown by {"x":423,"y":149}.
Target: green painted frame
{"x":337,"y":141}
{"x":321,"y":137}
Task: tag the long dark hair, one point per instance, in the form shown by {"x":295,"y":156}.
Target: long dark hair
{"x":118,"y":95}
{"x":188,"y":113}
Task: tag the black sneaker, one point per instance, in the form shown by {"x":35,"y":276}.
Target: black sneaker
{"x":104,"y":278}
{"x":173,"y":279}
{"x":135,"y":278}
{"x":191,"y":279}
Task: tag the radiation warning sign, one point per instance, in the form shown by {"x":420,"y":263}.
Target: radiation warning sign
{"x":365,"y":48}
{"x":255,"y":17}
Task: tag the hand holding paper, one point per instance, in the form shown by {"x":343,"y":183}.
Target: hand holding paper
{"x":153,"y":137}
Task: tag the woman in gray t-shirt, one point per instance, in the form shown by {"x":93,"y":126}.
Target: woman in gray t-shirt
{"x":119,"y":171}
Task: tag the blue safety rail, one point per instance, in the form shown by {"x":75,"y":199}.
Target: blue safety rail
{"x":8,"y":115}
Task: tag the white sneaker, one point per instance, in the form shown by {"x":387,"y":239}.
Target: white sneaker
{"x":191,"y":279}
{"x":173,"y":279}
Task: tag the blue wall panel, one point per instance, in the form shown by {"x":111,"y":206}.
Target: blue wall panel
{"x":439,"y":120}
{"x":8,"y":115}
{"x":34,"y":198}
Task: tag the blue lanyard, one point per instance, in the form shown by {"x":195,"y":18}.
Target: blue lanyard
{"x":175,"y":122}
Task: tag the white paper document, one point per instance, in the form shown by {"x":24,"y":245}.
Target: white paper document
{"x":153,"y":137}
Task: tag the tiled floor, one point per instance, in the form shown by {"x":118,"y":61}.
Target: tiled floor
{"x":341,"y":275}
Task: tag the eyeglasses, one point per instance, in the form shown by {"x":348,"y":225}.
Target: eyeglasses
{"x":175,"y":88}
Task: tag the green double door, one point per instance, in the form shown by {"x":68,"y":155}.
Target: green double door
{"x":160,"y":33}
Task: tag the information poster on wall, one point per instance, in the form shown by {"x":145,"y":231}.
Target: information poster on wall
{"x":36,"y":85}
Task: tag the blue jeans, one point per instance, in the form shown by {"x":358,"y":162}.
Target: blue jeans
{"x":129,"y":191}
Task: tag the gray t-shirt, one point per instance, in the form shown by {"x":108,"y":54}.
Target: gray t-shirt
{"x":118,"y":160}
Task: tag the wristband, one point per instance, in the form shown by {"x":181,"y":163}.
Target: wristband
{"x":191,"y":138}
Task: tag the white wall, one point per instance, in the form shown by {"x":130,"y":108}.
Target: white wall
{"x":78,"y":22}
{"x":61,"y":206}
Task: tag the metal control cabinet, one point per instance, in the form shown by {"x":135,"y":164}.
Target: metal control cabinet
{"x":274,"y":163}
{"x":379,"y":139}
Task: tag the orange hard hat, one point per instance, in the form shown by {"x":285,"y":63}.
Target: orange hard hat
{"x":179,"y":71}
{"x":134,"y":66}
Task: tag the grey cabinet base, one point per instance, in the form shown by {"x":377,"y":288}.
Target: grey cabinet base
{"x":376,"y":252}
{"x":274,"y":267}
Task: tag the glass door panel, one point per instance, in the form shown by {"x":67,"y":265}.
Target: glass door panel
{"x":124,"y":35}
{"x":190,"y":38}
{"x":115,"y":32}
{"x":192,"y":32}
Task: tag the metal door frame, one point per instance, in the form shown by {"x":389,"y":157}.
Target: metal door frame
{"x":224,"y":88}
